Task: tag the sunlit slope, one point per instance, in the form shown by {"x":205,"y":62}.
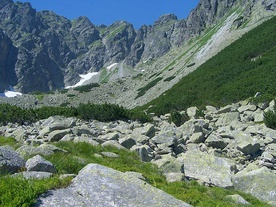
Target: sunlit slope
{"x":239,"y":71}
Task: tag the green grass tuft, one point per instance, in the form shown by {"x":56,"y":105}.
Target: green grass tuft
{"x":21,"y":192}
{"x":8,"y":141}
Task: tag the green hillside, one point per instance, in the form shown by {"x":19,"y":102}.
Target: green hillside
{"x":239,"y":71}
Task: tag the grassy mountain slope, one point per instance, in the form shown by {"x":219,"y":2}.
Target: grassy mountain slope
{"x":239,"y":71}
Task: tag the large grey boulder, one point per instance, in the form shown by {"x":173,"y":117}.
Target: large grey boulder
{"x":148,"y":130}
{"x":142,"y":139}
{"x":191,"y":112}
{"x":43,"y":149}
{"x":55,"y":123}
{"x":10,"y":160}
{"x":110,"y":136}
{"x":168,"y":164}
{"x":18,"y":133}
{"x":190,"y":127}
{"x":112,"y":143}
{"x":57,"y":135}
{"x":207,"y":168}
{"x":38,"y":163}
{"x":80,"y":130}
{"x":216,"y":141}
{"x":197,"y":138}
{"x":58,"y":123}
{"x":261,"y":183}
{"x":127,"y":142}
{"x":268,"y":157}
{"x":99,"y":186}
{"x":172,"y":168}
{"x":162,"y":137}
{"x":228,"y":108}
{"x":246,"y":143}
{"x":244,"y":108}
{"x":144,"y":152}
{"x":230,"y":118}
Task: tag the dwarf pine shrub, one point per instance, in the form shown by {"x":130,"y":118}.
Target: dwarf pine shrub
{"x":270,"y":118}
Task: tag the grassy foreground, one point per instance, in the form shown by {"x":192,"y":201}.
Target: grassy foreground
{"x":20,"y":192}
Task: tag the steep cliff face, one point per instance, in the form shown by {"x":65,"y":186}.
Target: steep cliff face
{"x":206,"y":13}
{"x":8,"y":57}
{"x":52,"y":51}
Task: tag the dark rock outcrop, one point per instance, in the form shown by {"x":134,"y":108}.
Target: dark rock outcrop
{"x":8,"y":57}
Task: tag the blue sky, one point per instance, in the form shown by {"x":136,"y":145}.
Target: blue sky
{"x":137,"y":12}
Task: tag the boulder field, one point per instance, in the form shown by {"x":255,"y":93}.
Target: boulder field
{"x":229,"y":147}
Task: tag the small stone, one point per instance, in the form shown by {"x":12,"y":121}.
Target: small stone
{"x":216,"y":141}
{"x":237,"y":199}
{"x":174,"y":177}
{"x":38,"y":163}
{"x":191,"y":112}
{"x":127,"y":142}
{"x":64,"y":176}
{"x":98,"y":155}
{"x":197,"y":138}
{"x":111,"y":136}
{"x":34,"y":175}
{"x":110,"y":154}
{"x":144,"y":151}
{"x":112,"y":143}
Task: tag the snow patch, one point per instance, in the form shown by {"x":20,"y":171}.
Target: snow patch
{"x":84,"y":77}
{"x":10,"y":93}
{"x":111,"y":66}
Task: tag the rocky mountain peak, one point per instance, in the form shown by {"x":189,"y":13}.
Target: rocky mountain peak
{"x":165,"y":19}
{"x":53,"y":51}
{"x":4,"y":3}
{"x":84,"y":30}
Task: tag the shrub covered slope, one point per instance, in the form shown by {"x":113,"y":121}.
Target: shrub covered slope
{"x":100,"y":112}
{"x":239,"y":71}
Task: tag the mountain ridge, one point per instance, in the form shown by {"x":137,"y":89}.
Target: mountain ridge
{"x":53,"y":59}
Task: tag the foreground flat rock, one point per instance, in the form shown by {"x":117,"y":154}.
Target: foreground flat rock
{"x":261,"y":183}
{"x":207,"y":168}
{"x":99,"y":186}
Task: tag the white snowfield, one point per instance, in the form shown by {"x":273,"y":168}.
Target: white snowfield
{"x":88,"y":76}
{"x":83,"y":79}
{"x":10,"y":94}
{"x":111,"y":66}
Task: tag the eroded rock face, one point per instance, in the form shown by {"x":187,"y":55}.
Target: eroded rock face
{"x":7,"y":61}
{"x":100,"y":186}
